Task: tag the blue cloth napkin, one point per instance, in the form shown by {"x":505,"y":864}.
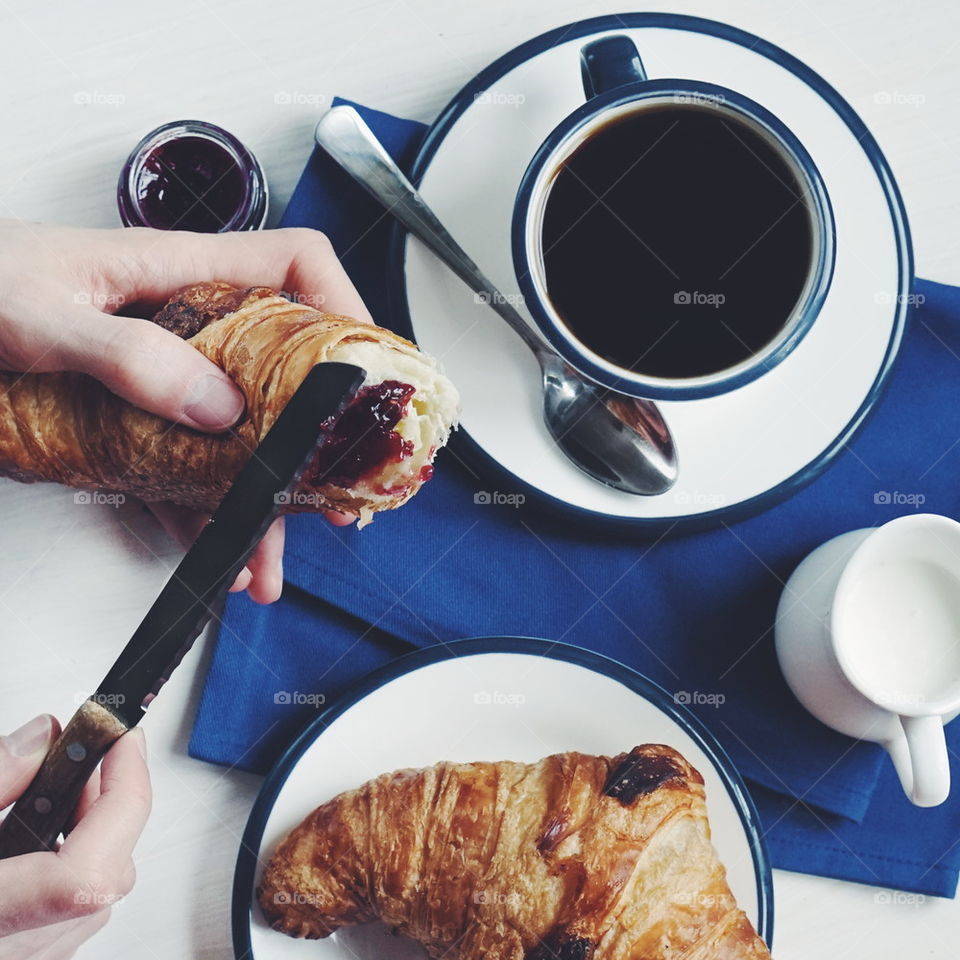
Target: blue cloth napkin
{"x":694,"y":613}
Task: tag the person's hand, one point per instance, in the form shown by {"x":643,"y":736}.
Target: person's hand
{"x":50,"y":903}
{"x":62,"y":293}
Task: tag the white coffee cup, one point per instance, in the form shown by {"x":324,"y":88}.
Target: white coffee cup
{"x":868,"y":637}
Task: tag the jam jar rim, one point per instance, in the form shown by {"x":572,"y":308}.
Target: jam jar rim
{"x":251,"y":213}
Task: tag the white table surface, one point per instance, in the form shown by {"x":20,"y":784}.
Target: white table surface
{"x":83,"y":81}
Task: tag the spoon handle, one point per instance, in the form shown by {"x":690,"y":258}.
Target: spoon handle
{"x":344,"y":134}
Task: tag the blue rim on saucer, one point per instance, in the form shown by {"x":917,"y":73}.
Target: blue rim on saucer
{"x":248,"y":856}
{"x":595,"y":366}
{"x":470,"y":451}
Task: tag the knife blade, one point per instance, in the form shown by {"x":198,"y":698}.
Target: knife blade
{"x":181,"y":610}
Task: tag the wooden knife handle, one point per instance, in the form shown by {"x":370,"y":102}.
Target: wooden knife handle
{"x":39,"y":816}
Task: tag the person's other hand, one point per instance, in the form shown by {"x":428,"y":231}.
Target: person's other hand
{"x":73,"y":299}
{"x":50,"y":903}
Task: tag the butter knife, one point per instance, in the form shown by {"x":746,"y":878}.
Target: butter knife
{"x":180,"y":612}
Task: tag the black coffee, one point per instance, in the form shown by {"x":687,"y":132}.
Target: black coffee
{"x":676,"y":241}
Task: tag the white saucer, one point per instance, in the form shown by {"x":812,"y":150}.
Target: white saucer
{"x":740,"y":451}
{"x":483,"y":699}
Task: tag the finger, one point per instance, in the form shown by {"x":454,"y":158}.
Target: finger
{"x":88,"y":797}
{"x":21,"y":754}
{"x":92,"y":868}
{"x":150,"y":264}
{"x":41,"y":890}
{"x":145,"y":364}
{"x":339,"y":519}
{"x":242,"y":582}
{"x":102,"y":842}
{"x":57,"y":941}
{"x":266,"y":565}
{"x":71,"y":935}
{"x":129,"y":876}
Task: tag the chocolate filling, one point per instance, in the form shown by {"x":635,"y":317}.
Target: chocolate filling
{"x":553,"y":833}
{"x":639,"y":774}
{"x":187,"y":313}
{"x":558,"y":946}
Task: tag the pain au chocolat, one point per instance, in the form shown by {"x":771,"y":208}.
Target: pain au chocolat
{"x":575,"y":857}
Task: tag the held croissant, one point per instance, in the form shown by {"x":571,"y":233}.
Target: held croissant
{"x":573,"y":858}
{"x":68,"y":428}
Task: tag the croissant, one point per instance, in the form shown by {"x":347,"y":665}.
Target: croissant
{"x":575,"y":857}
{"x":68,"y":428}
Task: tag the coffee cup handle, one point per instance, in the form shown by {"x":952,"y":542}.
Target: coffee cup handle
{"x":608,"y":63}
{"x":928,"y":761}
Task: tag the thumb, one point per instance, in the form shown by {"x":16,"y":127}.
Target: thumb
{"x":153,"y":369}
{"x":21,"y":754}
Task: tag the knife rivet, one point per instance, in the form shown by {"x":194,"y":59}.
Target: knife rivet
{"x":42,"y":805}
{"x":76,"y":752}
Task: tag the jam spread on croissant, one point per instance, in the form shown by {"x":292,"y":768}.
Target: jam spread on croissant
{"x":639,"y":774}
{"x":362,"y":438}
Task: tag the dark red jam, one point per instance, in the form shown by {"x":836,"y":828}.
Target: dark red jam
{"x":192,"y":176}
{"x":190,"y":184}
{"x":363,"y":438}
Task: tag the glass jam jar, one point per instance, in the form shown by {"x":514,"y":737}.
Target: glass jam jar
{"x":192,"y":175}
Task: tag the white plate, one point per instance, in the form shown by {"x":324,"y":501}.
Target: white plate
{"x":488,"y":699}
{"x":739,"y":451}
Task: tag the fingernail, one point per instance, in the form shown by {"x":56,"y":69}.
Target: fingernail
{"x":31,"y":738}
{"x":243,"y":578}
{"x":213,"y":402}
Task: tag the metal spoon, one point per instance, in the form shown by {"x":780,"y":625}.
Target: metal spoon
{"x":619,"y":440}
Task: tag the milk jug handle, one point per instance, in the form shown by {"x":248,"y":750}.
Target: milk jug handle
{"x":928,"y":760}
